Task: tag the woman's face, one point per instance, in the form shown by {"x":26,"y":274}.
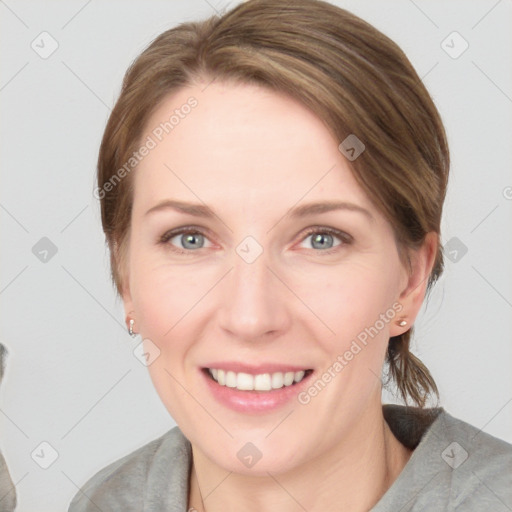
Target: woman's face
{"x":232,"y":277}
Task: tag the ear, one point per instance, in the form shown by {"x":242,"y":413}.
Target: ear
{"x":120,"y":261}
{"x":127,"y":303}
{"x":415,"y":282}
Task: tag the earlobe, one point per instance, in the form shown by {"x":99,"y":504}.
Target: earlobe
{"x":128,"y":308}
{"x":399,"y":326}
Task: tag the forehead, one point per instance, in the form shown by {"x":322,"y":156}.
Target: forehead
{"x":242,"y":141}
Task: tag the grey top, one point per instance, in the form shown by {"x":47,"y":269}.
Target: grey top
{"x":8,"y":498}
{"x":454,"y":466}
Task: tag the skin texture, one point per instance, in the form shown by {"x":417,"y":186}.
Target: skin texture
{"x":251,"y":154}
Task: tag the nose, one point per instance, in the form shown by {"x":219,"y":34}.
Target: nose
{"x":254,"y":302}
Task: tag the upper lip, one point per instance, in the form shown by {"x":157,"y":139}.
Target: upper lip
{"x":256,"y":369}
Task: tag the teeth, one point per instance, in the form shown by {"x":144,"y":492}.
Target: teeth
{"x":261,"y":382}
{"x":231,"y":379}
{"x":299,"y":376}
{"x":244,"y":381}
{"x":288,"y":378}
{"x":277,"y":380}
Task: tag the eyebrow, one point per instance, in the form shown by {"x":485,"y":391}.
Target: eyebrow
{"x":202,"y":210}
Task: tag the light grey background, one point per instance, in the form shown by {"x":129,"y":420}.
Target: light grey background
{"x":72,"y":379}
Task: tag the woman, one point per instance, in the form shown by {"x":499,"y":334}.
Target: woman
{"x":296,"y":148}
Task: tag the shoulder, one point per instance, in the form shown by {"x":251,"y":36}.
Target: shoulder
{"x":454,"y":466}
{"x":479,"y":465}
{"x":129,"y":482}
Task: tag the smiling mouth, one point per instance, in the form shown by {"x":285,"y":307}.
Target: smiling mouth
{"x":260,"y":382}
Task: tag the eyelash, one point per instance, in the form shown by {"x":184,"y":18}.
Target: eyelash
{"x":344,"y":238}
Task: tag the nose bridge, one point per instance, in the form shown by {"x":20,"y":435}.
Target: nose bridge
{"x":253,"y":304}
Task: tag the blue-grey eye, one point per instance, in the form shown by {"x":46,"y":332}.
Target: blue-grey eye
{"x":325,"y":239}
{"x":192,"y":240}
{"x":189,"y":240}
{"x":322,"y":241}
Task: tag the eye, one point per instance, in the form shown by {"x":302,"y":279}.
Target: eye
{"x":189,"y":239}
{"x":323,"y":239}
{"x":184,"y":240}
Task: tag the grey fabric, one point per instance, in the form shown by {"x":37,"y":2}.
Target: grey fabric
{"x":475,"y":474}
{"x":454,"y":467}
{"x":7,"y":489}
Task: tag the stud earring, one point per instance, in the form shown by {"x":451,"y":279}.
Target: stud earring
{"x":130,"y":328}
{"x":402,"y":323}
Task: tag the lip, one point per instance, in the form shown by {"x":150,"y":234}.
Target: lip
{"x":253,"y":402}
{"x":254,"y":369}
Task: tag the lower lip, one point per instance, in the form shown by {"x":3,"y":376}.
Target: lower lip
{"x":254,"y":401}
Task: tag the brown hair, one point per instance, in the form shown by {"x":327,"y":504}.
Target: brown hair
{"x":348,"y":73}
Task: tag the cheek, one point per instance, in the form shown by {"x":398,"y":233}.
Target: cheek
{"x":168,"y":313}
{"x":356,"y":303}
{"x":163,"y":293}
{"x":172,"y":304}
{"x":155,"y":306}
{"x":352,"y":298}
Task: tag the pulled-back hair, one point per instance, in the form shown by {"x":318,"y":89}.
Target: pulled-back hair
{"x":347,"y":73}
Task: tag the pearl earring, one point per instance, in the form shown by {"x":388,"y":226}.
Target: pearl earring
{"x":402,"y":323}
{"x":130,"y":329}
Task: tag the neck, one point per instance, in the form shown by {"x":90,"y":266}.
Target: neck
{"x":354,"y":475}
